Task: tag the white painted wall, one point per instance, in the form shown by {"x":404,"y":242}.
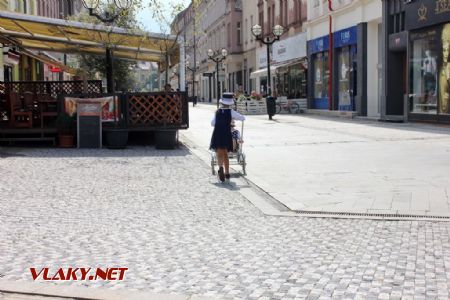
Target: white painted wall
{"x":358,"y":12}
{"x":372,"y":70}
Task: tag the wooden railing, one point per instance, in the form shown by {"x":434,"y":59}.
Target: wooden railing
{"x":53,"y":88}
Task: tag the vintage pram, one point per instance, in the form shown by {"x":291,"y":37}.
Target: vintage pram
{"x":236,"y":157}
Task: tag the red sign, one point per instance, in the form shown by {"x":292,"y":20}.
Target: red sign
{"x":79,"y":274}
{"x":55,"y":69}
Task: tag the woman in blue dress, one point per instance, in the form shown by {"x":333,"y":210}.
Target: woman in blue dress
{"x":222,"y":140}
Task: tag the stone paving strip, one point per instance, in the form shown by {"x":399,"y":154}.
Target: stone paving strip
{"x":163,"y":215}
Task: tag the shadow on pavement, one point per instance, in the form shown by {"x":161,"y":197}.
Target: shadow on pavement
{"x":232,"y":186}
{"x":130,"y":151}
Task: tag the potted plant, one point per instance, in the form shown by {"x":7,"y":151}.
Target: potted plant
{"x":116,"y":136}
{"x":65,"y":125}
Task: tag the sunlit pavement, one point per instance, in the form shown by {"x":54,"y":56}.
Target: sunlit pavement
{"x":162,"y":215}
{"x":340,"y":165}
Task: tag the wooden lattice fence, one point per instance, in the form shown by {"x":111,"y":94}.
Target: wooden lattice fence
{"x":162,"y":110}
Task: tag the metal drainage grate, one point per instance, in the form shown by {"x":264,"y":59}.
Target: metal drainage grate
{"x":397,"y":216}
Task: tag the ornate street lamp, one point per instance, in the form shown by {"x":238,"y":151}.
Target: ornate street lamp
{"x":95,"y":8}
{"x":217,"y":57}
{"x":277,"y":31}
{"x":193,"y":70}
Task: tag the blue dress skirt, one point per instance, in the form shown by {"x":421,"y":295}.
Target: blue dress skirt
{"x":221,"y":137}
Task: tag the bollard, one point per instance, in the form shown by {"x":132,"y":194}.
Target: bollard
{"x":271,"y":107}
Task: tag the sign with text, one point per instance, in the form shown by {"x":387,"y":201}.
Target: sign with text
{"x":290,"y":48}
{"x":345,"y":37}
{"x":318,"y":45}
{"x":422,"y":13}
{"x":109,"y":107}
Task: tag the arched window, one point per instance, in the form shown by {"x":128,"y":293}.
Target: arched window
{"x":25,"y":7}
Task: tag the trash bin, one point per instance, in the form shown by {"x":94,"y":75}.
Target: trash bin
{"x":271,"y":107}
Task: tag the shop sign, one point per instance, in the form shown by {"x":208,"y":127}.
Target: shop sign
{"x":318,"y":45}
{"x":422,"y":13}
{"x":261,"y":55}
{"x":290,"y":48}
{"x":398,"y":41}
{"x":55,"y":69}
{"x":345,"y":37}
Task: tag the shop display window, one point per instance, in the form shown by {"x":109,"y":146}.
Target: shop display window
{"x":347,"y":77}
{"x":291,"y":82}
{"x":321,"y":78}
{"x":444,"y":71}
{"x":424,"y":69}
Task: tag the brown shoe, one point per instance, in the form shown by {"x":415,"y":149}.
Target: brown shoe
{"x":221,"y":174}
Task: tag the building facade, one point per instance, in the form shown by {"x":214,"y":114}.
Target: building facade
{"x":17,"y":66}
{"x":288,"y":55}
{"x":417,"y":61}
{"x":345,"y":56}
{"x":249,"y":18}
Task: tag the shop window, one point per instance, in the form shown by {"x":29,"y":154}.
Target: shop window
{"x":444,"y":72}
{"x":291,"y":82}
{"x":321,"y":79}
{"x":424,"y":75}
{"x":347,"y":77}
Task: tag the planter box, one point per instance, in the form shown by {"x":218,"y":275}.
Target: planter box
{"x":252,"y":107}
{"x":165,"y":139}
{"x":115,"y":138}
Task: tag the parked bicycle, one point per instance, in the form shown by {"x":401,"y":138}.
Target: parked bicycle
{"x":290,"y":106}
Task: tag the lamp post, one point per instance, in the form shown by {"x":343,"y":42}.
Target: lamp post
{"x":96,"y":8}
{"x":193,"y":70}
{"x":277,"y":31}
{"x":217,"y":57}
{"x":268,"y":41}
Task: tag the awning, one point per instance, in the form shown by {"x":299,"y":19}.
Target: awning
{"x":262,"y":72}
{"x":57,"y":35}
{"x":303,"y":61}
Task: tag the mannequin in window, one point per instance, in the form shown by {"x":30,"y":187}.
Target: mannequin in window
{"x":429,"y":75}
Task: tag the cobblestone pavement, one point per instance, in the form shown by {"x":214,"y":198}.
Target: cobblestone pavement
{"x":163,"y":216}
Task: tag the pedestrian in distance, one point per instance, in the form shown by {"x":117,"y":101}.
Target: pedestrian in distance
{"x":222,"y":140}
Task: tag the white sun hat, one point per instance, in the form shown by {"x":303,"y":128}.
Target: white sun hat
{"x":227,"y":99}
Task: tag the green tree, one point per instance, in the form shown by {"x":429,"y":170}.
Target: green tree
{"x":168,"y":27}
{"x":96,"y":64}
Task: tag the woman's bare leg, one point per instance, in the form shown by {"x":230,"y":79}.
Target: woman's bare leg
{"x":226,"y":163}
{"x":219,"y":158}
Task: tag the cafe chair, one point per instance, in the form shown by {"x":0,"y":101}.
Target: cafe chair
{"x":21,"y":117}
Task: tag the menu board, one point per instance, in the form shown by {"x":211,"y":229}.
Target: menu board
{"x":89,"y":124}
